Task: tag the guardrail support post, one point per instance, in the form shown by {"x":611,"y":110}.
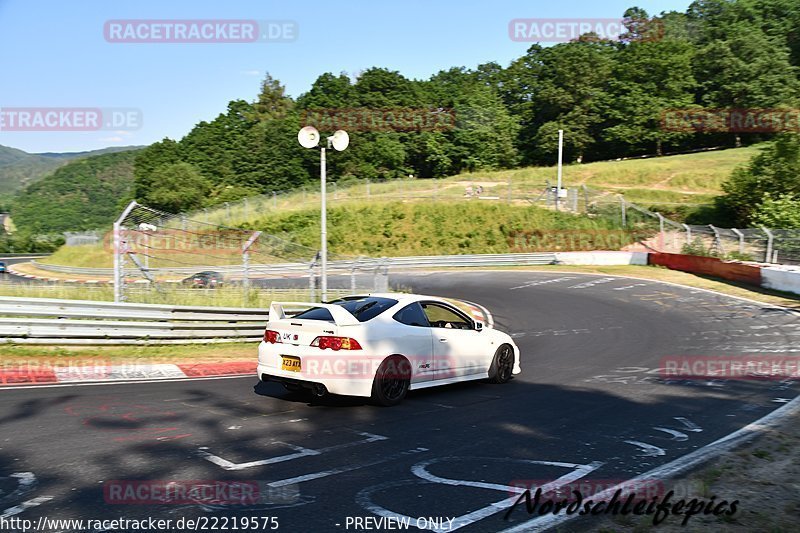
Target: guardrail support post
{"x":741,"y":239}
{"x":717,"y":240}
{"x":246,"y":266}
{"x":311,"y":283}
{"x":117,"y":264}
{"x":770,"y":240}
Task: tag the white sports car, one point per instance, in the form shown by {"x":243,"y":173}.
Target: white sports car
{"x":381,"y":346}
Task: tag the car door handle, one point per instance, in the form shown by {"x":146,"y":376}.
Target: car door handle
{"x":442,"y":340}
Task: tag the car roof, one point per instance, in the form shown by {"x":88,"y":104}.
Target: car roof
{"x":403,"y":297}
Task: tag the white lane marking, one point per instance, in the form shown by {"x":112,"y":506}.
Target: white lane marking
{"x":541,"y":282}
{"x":229,"y":465}
{"x":781,"y":400}
{"x":592,"y":283}
{"x":688,"y":424}
{"x":673,"y":468}
{"x":421,"y":471}
{"x":370,"y":437}
{"x":118,"y":383}
{"x":676,"y":435}
{"x":334,"y":471}
{"x":363,"y":498}
{"x":299,"y":452}
{"x":648,"y":450}
{"x":35,"y":502}
{"x":629,"y":287}
{"x":26,"y":482}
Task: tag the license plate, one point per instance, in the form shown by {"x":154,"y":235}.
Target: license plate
{"x":292,"y":364}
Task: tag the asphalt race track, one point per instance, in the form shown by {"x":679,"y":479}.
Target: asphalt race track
{"x":590,"y":402}
{"x":7,"y":276}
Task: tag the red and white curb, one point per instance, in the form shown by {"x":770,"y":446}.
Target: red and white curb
{"x":45,"y":373}
{"x":16,"y":272}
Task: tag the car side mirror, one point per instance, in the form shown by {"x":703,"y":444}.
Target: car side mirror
{"x":478,"y":326}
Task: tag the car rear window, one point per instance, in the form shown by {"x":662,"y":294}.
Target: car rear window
{"x":363,"y":308}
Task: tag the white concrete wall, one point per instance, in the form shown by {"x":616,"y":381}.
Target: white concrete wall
{"x":781,"y":279}
{"x":602,"y":258}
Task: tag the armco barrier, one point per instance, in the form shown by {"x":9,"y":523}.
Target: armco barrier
{"x":601,"y":258}
{"x":53,"y":321}
{"x":710,"y":266}
{"x":400,"y":263}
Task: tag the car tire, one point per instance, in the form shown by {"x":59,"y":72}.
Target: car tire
{"x":502,"y":366}
{"x":392,"y":381}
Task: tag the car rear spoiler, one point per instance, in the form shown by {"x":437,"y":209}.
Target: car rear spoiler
{"x":341,"y":316}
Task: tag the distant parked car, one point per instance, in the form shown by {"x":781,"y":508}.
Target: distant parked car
{"x":204,"y":280}
{"x":3,"y":269}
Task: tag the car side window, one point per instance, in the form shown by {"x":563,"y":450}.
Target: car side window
{"x":440,"y":316}
{"x":412,"y":315}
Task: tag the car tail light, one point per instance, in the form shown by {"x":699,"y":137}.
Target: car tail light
{"x":272,"y":337}
{"x":336,"y":343}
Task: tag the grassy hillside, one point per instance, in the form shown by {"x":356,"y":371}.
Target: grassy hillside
{"x":685,"y":179}
{"x":673,"y":185}
{"x":83,"y":194}
{"x":18,"y":169}
{"x":415,"y":228}
{"x":398,"y":229}
{"x":417,"y":217}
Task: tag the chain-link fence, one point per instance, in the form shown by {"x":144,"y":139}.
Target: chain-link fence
{"x":166,"y":252}
{"x":764,"y":245}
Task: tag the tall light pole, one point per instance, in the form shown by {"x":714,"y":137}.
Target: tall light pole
{"x":323,"y":231}
{"x":309,"y":138}
{"x":560,"y":159}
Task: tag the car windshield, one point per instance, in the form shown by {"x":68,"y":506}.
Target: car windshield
{"x":362,"y":307}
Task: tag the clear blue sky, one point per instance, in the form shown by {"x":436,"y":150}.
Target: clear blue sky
{"x":54,"y":54}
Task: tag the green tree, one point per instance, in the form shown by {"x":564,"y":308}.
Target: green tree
{"x":485,"y":133}
{"x":149,"y":159}
{"x":328,"y":92}
{"x":773,"y":173}
{"x":649,"y":78}
{"x":781,"y":212}
{"x":177,"y":188}
{"x":272,"y":102}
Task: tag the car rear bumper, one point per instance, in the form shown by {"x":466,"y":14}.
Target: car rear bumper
{"x":338,"y":385}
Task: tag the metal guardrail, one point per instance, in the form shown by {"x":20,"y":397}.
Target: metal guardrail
{"x":433,"y":261}
{"x":54,"y":321}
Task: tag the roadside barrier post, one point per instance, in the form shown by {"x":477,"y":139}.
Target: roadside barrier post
{"x":741,"y":239}
{"x":770,"y":239}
